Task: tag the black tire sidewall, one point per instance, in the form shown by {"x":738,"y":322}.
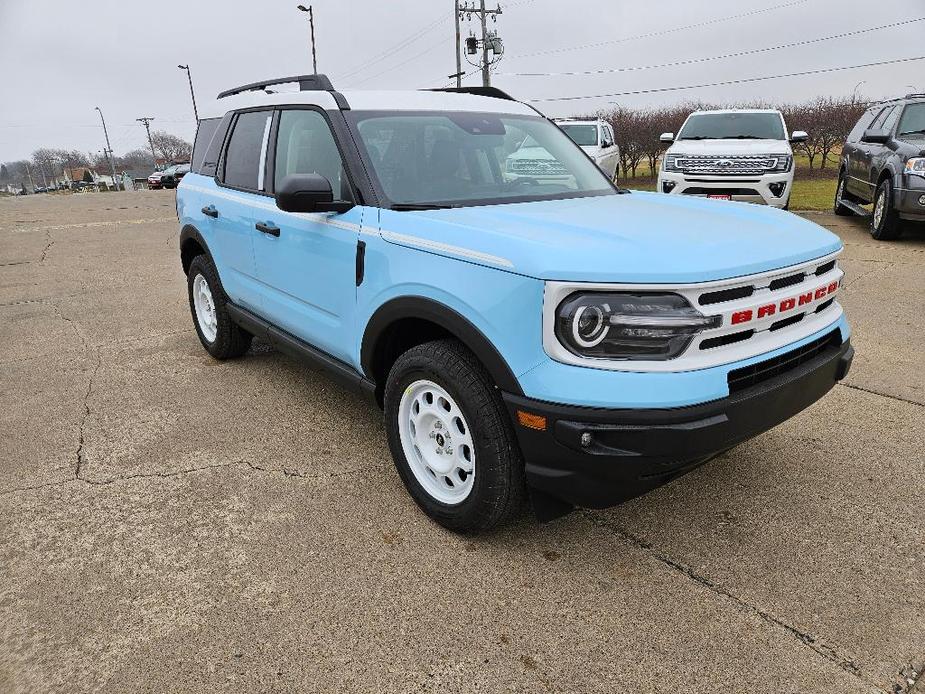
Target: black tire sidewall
{"x":485,"y":419}
{"x":228,"y":336}
{"x":888,"y":228}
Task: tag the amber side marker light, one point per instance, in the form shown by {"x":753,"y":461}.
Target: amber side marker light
{"x":531,"y":421}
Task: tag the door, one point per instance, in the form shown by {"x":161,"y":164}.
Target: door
{"x":609,"y":153}
{"x":851,"y":152}
{"x":240,"y":179}
{"x":863,"y":158}
{"x":306,"y":264}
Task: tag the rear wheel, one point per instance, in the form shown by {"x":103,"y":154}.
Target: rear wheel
{"x":885,"y":224}
{"x":840,"y":192}
{"x":451,"y":439}
{"x":221,"y":337}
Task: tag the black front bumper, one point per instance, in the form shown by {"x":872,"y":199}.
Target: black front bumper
{"x":633,"y":451}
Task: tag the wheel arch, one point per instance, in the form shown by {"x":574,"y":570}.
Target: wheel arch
{"x":405,"y":322}
{"x":191,"y":245}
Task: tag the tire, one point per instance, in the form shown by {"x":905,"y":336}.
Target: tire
{"x":221,"y":337}
{"x":885,"y":224}
{"x":837,"y":207}
{"x":465,"y":401}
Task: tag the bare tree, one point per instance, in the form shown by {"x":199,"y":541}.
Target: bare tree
{"x":171,"y":147}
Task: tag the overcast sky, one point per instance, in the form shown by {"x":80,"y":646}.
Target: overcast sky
{"x":60,"y":59}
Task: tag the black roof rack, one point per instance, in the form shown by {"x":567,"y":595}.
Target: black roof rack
{"x":493,"y":92}
{"x":915,"y":96}
{"x":307,"y":83}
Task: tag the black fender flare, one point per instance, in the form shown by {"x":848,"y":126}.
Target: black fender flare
{"x":187,"y":233}
{"x":448,"y":319}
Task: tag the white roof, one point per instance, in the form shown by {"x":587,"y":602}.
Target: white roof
{"x":370,"y":101}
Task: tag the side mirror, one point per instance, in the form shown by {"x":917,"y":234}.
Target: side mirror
{"x":877,"y":137}
{"x":667,"y":138}
{"x":308,"y":193}
{"x":799,"y":136}
{"x":606,"y":144}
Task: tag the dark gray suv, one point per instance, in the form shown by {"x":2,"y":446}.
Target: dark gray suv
{"x":883,"y":162}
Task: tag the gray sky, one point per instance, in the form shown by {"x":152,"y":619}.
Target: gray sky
{"x":62,"y":58}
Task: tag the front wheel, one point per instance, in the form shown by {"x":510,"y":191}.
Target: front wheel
{"x":451,"y":439}
{"x":885,"y":224}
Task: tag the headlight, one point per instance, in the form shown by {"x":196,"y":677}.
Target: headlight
{"x":670,"y":163}
{"x":611,"y":325}
{"x":916,"y":167}
{"x":784,"y":162}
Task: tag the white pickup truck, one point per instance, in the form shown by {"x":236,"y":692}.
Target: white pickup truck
{"x":740,"y":155}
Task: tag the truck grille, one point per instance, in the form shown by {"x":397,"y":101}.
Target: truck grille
{"x":538,"y":167}
{"x":749,"y":376}
{"x":727,"y":166}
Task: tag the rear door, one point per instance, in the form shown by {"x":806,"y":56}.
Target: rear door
{"x":851,"y":152}
{"x":863,"y":161}
{"x":307,"y":265}
{"x":240,"y":181}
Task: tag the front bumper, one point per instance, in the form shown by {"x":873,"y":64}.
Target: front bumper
{"x":756,"y":189}
{"x":908,"y":195}
{"x":633,"y":451}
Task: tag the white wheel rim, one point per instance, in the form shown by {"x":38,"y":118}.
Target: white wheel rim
{"x":205,"y":308}
{"x":878,"y":209}
{"x":437,"y":442}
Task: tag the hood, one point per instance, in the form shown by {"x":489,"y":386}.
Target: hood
{"x":531,"y":153}
{"x":730,"y":147}
{"x":637,"y":238}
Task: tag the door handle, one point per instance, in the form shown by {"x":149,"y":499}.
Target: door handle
{"x":210,"y":211}
{"x":268,"y":228}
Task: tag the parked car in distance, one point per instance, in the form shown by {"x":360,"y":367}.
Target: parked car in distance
{"x":596,"y":138}
{"x":743,"y":155}
{"x":172,"y":175}
{"x":558,"y":335}
{"x":154,"y":180}
{"x":883,"y":162}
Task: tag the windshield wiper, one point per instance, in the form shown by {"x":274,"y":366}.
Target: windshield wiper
{"x":416,"y":206}
{"x":696,"y":137}
{"x":741,"y":137}
{"x":912,"y":132}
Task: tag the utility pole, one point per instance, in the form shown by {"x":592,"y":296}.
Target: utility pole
{"x":191,"y":92}
{"x":459,"y":70}
{"x":311,"y":23}
{"x":147,"y":121}
{"x":486,"y":42}
{"x":112,"y":164}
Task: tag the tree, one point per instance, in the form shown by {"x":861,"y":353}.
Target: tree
{"x":171,"y":147}
{"x":4,"y":173}
{"x":137,"y":159}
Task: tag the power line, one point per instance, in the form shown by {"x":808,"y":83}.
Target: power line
{"x":662,"y":32}
{"x":729,"y":82}
{"x":442,"y":42}
{"x":694,"y":61}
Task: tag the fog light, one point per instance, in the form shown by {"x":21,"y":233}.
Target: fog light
{"x":777,"y":189}
{"x":586,"y":439}
{"x":668,"y":186}
{"x":922,"y":200}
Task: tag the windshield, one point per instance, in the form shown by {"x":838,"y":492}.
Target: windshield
{"x":913,"y":120}
{"x":582,"y":135}
{"x":733,"y":126}
{"x":456,"y":159}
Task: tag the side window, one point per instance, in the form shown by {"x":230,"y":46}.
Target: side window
{"x":891,"y":119}
{"x":204,"y":133}
{"x":609,"y":133}
{"x":862,"y":125}
{"x":304,"y":145}
{"x":245,"y":155}
{"x":879,"y":120}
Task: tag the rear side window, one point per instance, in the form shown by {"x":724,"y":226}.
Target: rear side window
{"x":245,"y":155}
{"x":862,"y":125}
{"x":204,"y":135}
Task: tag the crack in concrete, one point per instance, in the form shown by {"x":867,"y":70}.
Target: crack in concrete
{"x":898,"y":398}
{"x":884,"y":266}
{"x":813,"y":642}
{"x":51,"y":242}
{"x":86,"y":416}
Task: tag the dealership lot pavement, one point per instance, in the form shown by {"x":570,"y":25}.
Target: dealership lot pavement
{"x":169,"y":523}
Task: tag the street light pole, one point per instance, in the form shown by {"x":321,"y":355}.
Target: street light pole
{"x":311,"y":22}
{"x":147,"y":123}
{"x":112,"y":164}
{"x":191,"y":92}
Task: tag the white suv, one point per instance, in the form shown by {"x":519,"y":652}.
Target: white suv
{"x":731,"y":155}
{"x":596,"y":138}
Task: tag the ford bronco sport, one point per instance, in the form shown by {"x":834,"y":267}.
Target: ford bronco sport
{"x":561,"y":339}
{"x":883,"y":162}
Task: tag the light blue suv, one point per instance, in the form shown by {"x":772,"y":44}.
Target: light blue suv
{"x":555,"y":339}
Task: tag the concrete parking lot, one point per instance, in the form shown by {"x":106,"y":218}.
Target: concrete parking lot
{"x":171,"y":523}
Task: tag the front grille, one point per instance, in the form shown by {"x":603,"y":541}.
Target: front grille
{"x":538,"y":167}
{"x":727,"y":166}
{"x":788,"y":281}
{"x":825,"y":267}
{"x":725,"y":295}
{"x":748,"y":376}
{"x":721,"y":191}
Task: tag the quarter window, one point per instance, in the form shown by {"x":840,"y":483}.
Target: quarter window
{"x":246,"y":154}
{"x":306,"y":145}
{"x":204,"y":133}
